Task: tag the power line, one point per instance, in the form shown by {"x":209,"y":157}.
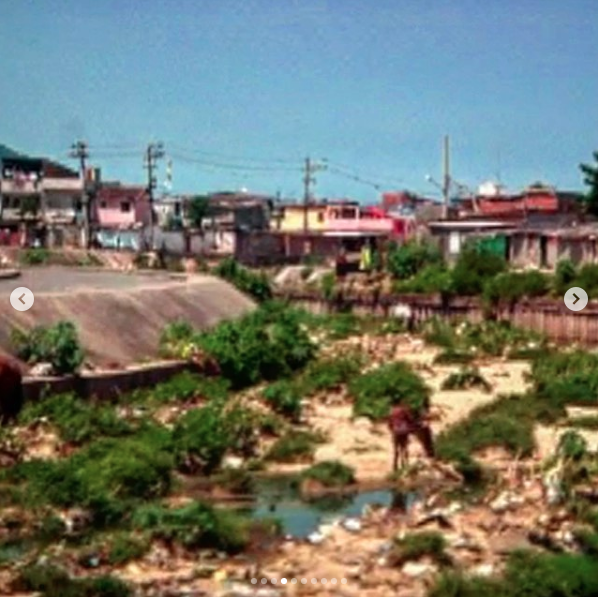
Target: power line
{"x":231,"y":166}
{"x":220,"y":156}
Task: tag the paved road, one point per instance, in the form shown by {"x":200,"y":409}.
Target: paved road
{"x":55,"y":279}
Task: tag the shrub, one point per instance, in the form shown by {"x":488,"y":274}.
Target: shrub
{"x":175,"y":337}
{"x":417,"y":545}
{"x":181,"y":387}
{"x":453,"y":357}
{"x":330,"y":473}
{"x":508,"y":288}
{"x":331,"y":372}
{"x":236,"y":480}
{"x":408,"y":259}
{"x":432,"y":279}
{"x":103,"y":477}
{"x":572,"y":445}
{"x":284,"y":397}
{"x":57,"y":344}
{"x":466,"y":378}
{"x":35,"y":256}
{"x":376,"y":391}
{"x":587,"y":278}
{"x":564,"y":276}
{"x":473,"y":268}
{"x":294,"y":446}
{"x":254,"y":284}
{"x":124,"y":547}
{"x":507,"y":422}
{"x":195,"y":526}
{"x":201,"y":439}
{"x":439,"y":333}
{"x":567,"y":378}
{"x":264,"y":345}
{"x":587,"y":422}
{"x":51,"y":581}
{"x":77,"y":421}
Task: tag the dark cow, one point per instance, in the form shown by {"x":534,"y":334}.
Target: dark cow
{"x":11,"y":389}
{"x":403,"y":422}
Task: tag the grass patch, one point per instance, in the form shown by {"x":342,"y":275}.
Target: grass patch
{"x":585,"y":422}
{"x":51,"y":581}
{"x":330,"y":473}
{"x":76,"y":420}
{"x":376,"y":391}
{"x":528,"y":574}
{"x":195,"y":526}
{"x":415,"y":546}
{"x":465,"y":379}
{"x":294,"y":446}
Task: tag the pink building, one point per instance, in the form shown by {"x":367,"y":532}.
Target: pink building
{"x":121,"y":207}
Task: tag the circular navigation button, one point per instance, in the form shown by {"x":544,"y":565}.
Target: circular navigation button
{"x":22,"y":299}
{"x":576,"y":298}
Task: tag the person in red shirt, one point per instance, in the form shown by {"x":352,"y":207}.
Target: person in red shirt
{"x":403,"y":422}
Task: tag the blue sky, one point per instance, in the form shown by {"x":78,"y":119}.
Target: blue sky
{"x":239,"y":85}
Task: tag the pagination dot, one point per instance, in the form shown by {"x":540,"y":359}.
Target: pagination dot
{"x":283,"y":581}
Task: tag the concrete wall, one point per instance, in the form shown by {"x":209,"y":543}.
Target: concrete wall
{"x":105,"y":385}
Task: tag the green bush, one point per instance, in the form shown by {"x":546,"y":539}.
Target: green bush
{"x":508,"y":288}
{"x":567,"y":378}
{"x":407,"y":260}
{"x":58,"y":344}
{"x":256,"y":285}
{"x":432,"y":279}
{"x":175,"y":337}
{"x":201,"y":439}
{"x":330,"y":473}
{"x":195,"y":526}
{"x":331,"y":373}
{"x":103,"y":477}
{"x":564,"y":276}
{"x":453,"y":357}
{"x":76,"y":420}
{"x":236,"y":480}
{"x":294,"y":446}
{"x":285,"y":397}
{"x":466,"y":378}
{"x":35,"y":256}
{"x":181,"y":387}
{"x":124,"y":547}
{"x":473,"y":268}
{"x":376,"y":391}
{"x":528,"y":574}
{"x":417,"y":545}
{"x":507,"y":422}
{"x":50,"y":581}
{"x":267,"y":344}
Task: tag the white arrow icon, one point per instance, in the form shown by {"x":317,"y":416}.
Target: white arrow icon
{"x":22,"y":299}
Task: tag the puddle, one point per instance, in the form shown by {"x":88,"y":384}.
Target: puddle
{"x":278,"y":498}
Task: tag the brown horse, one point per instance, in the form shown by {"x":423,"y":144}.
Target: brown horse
{"x":402,"y":423}
{"x":11,"y":389}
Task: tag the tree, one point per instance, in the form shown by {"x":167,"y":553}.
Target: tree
{"x":198,"y":209}
{"x":591,"y":180}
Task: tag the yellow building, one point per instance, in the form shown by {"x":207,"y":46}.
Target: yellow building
{"x":292,"y":218}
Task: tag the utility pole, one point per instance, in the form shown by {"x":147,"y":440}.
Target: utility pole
{"x":153,"y":153}
{"x":310,"y":169}
{"x":80,"y":151}
{"x":446,"y":180}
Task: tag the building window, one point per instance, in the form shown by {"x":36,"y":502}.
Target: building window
{"x":320,"y":216}
{"x":103,"y":205}
{"x":125,"y":206}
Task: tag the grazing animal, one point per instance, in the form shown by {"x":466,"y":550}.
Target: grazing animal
{"x":402,"y":423}
{"x":11,"y":389}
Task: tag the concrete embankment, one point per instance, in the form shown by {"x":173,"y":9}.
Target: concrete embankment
{"x":119,"y":316}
